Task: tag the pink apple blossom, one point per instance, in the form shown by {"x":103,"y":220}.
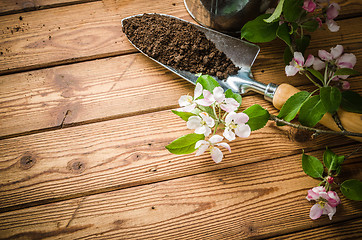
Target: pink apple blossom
{"x":216,"y":153}
{"x":235,"y":123}
{"x":187,"y":102}
{"x":202,"y":123}
{"x":309,"y":5}
{"x":298,"y":64}
{"x":326,"y":202}
{"x":335,"y":58}
{"x":218,"y":97}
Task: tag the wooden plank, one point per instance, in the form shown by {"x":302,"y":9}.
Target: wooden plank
{"x":123,"y":86}
{"x":87,"y":31}
{"x":67,"y":34}
{"x":351,"y":229}
{"x":257,"y":200}
{"x":82,"y":92}
{"x":126,"y":152}
{"x":13,"y":6}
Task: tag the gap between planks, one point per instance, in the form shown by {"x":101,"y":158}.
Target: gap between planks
{"x":15,"y":9}
{"x":148,"y":182}
{"x":66,"y":62}
{"x":76,"y":124}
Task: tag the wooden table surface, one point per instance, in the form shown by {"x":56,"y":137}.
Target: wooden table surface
{"x":84,"y":120}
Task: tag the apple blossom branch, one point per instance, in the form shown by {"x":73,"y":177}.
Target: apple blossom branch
{"x":315,"y":130}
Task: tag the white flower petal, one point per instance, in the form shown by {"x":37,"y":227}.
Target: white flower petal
{"x":207,"y":119}
{"x":201,"y":142}
{"x":208,"y":95}
{"x":337,"y":51}
{"x":204,"y":102}
{"x":309,"y":60}
{"x":298,"y":58}
{"x":185,"y":100}
{"x":225,"y":145}
{"x":324,"y":55}
{"x":216,"y":154}
{"x":315,"y":211}
{"x":329,"y":210}
{"x":332,"y":25}
{"x":216,"y":138}
{"x":201,"y":149}
{"x":194,"y":122}
{"x":243,"y":130}
{"x":198,"y":90}
{"x":207,"y":131}
{"x":347,"y":60}
{"x":228,"y":134}
{"x":229,"y":105}
{"x":333,"y":11}
{"x":219,"y":95}
{"x":318,"y":64}
{"x":241,"y":118}
{"x":201,"y":130}
{"x":291,"y":70}
{"x":188,"y":108}
{"x":230,"y":117}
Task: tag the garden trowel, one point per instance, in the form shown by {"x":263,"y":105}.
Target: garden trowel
{"x":243,"y":55}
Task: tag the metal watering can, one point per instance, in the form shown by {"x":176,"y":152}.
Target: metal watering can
{"x":227,"y":16}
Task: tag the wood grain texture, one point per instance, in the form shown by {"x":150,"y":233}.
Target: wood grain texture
{"x":13,"y":6}
{"x":351,"y":229}
{"x":123,"y":86}
{"x":126,"y":152}
{"x":256,"y":200}
{"x":82,"y":92}
{"x":74,"y":33}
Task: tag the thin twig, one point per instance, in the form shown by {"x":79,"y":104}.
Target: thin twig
{"x":315,"y":130}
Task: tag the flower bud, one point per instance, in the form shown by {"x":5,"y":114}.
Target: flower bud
{"x":330,"y":179}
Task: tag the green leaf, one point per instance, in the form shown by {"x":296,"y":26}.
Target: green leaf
{"x":283,"y":33}
{"x":311,"y":25}
{"x":292,"y":9}
{"x":230,"y":94}
{"x":183,"y":115}
{"x":292,"y":106}
{"x":208,"y":82}
{"x":276,"y":14}
{"x":258,"y":30}
{"x":312,"y":166}
{"x":351,"y":102}
{"x":258,"y":117}
{"x":185,"y":144}
{"x":352,"y":189}
{"x":311,"y":112}
{"x":302,"y":43}
{"x":287,"y":56}
{"x":331,"y":160}
{"x":316,"y":73}
{"x":346,"y":71}
{"x":331,"y":98}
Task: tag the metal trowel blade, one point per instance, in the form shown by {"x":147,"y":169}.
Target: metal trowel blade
{"x":240,"y":52}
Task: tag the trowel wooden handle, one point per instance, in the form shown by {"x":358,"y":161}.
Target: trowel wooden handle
{"x":350,"y":121}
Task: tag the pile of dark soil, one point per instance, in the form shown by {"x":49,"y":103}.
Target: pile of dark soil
{"x":177,"y":44}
